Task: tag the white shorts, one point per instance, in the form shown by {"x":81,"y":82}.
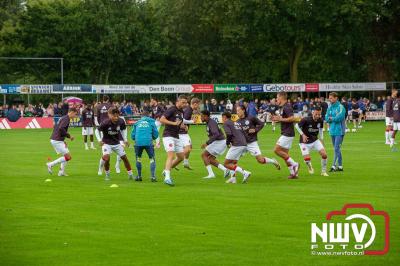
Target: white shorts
{"x":87,"y":131}
{"x":285,"y":142}
{"x":185,"y":139}
{"x":306,"y":148}
{"x":389,"y":121}
{"x":217,"y":147}
{"x":235,"y":152}
{"x":253,"y":148}
{"x":59,"y":146}
{"x":118,"y":149}
{"x":396,"y":125}
{"x":173,"y":144}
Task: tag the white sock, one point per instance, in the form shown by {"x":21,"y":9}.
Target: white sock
{"x":108,"y":172}
{"x":62,"y":168}
{"x":91,"y":145}
{"x":57,"y":161}
{"x":291,"y":170}
{"x":101,"y":164}
{"x":268,"y":160}
{"x":239,"y":169}
{"x":130,"y":172}
{"x":209,"y":169}
{"x":291,"y":161}
{"x":223,"y":168}
{"x":86,"y":146}
{"x":324,"y":162}
{"x":185,"y":161}
{"x":117,"y":162}
{"x":232,"y":173}
{"x":391,"y":141}
{"x":167,"y":174}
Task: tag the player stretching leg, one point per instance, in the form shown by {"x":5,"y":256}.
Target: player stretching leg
{"x":282,"y":147}
{"x":156,"y":113}
{"x":57,"y":140}
{"x":87,"y":126}
{"x":184,"y":132}
{"x":251,"y":126}
{"x":308,"y":128}
{"x":389,"y":115}
{"x":112,"y":129}
{"x":236,"y":139}
{"x":173,"y":121}
{"x":396,"y":121}
{"x":143,"y":133}
{"x":215,"y":145}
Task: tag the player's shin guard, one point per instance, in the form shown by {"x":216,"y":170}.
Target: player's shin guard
{"x":117,"y":163}
{"x":153,"y":167}
{"x":268,"y":160}
{"x":139,"y":166}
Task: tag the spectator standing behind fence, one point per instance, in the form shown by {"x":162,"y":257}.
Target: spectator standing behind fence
{"x":335,"y":117}
{"x":214,"y":106}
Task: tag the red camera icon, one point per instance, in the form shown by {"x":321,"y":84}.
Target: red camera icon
{"x":372,"y":212}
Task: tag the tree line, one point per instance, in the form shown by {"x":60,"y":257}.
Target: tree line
{"x":200,"y":41}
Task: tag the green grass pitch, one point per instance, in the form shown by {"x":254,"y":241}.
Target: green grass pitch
{"x":80,"y":220}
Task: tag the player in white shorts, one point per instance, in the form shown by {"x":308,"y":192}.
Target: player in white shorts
{"x":284,"y":143}
{"x":236,"y":139}
{"x":184,"y":131}
{"x":156,"y":112}
{"x":250,"y":127}
{"x":309,"y":128}
{"x":389,"y":115}
{"x":215,"y":145}
{"x":57,"y":140}
{"x":173,"y":121}
{"x":113,"y":129}
{"x":87,"y":119}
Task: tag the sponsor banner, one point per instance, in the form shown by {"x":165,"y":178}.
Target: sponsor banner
{"x":27,"y":123}
{"x":169,"y":88}
{"x":372,"y":86}
{"x":225,"y":87}
{"x":312,"y":87}
{"x":242,"y":88}
{"x":72,"y":88}
{"x":294,"y":87}
{"x":203,"y":88}
{"x":255,"y":88}
{"x":120,"y":89}
{"x":10,"y":88}
{"x":37,"y":89}
{"x":375,"y":115}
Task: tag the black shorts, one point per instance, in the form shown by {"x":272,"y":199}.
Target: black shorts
{"x":355,"y":115}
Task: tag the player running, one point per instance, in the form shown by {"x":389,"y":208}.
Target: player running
{"x":272,"y":109}
{"x":251,"y":126}
{"x":282,"y":147}
{"x":355,"y":114}
{"x":236,"y":141}
{"x":173,"y":121}
{"x":87,"y":126}
{"x":57,"y":140}
{"x":113,"y":128}
{"x":143,"y":133}
{"x":156,"y":113}
{"x":309,"y":128}
{"x":215,"y":145}
{"x":389,"y":116}
{"x":396,"y":121}
{"x":184,"y":131}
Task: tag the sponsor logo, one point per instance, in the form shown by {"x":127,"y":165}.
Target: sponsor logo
{"x":312,"y":87}
{"x":242,"y":88}
{"x":225,"y":87}
{"x":356,"y":229}
{"x":256,"y":88}
{"x":203,"y":88}
{"x":284,"y":87}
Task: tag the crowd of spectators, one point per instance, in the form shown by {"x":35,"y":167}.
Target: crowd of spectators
{"x":129,"y":108}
